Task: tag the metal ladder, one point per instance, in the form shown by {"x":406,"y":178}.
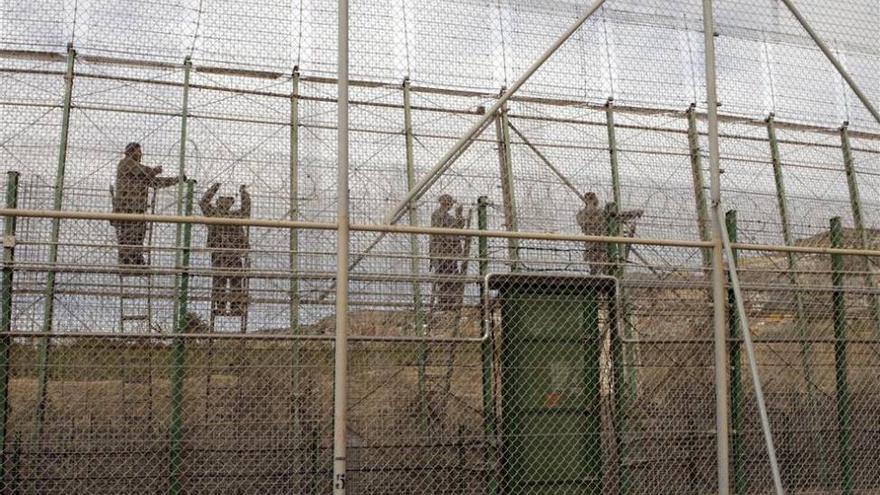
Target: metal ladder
{"x":226,"y":390}
{"x":135,"y":287}
{"x":243,"y":318}
{"x":130,"y":280}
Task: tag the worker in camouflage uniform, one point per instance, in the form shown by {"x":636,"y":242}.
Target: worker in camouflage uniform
{"x":229,"y":245}
{"x":593,"y":221}
{"x":446,"y":252}
{"x":130,"y":194}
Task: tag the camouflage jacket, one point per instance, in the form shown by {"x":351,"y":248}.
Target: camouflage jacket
{"x":226,"y":236}
{"x":446,"y":245}
{"x":133,"y":183}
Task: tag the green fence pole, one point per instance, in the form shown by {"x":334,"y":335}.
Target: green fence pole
{"x":838,"y":307}
{"x":49,"y":295}
{"x":800,"y":319}
{"x":618,"y":262}
{"x":181,"y":163}
{"x":6,"y":312}
{"x":737,"y":419}
{"x":612,"y":154}
{"x":618,"y":357}
{"x":508,"y":190}
{"x":855,"y":200}
{"x":184,"y":120}
{"x":487,"y":350}
{"x":178,"y":365}
{"x":699,"y":187}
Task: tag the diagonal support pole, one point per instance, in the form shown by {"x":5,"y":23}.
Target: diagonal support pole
{"x":449,"y":158}
{"x":546,"y":161}
{"x":831,"y":58}
{"x":750,"y":354}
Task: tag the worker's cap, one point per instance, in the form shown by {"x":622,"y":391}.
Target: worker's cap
{"x":590,"y":195}
{"x":445,"y":198}
{"x":131,"y":147}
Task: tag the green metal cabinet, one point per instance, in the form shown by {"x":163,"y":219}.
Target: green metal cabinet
{"x":550,"y":362}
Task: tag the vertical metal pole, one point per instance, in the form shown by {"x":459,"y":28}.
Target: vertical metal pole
{"x":855,"y":200}
{"x":181,"y":163}
{"x":838,"y":307}
{"x":178,"y":352}
{"x":418,"y":317}
{"x":618,"y":358}
{"x":487,"y":349}
{"x":699,"y":184}
{"x":294,"y":203}
{"x":181,"y":155}
{"x":788,"y":238}
{"x":722,"y":402}
{"x":612,"y":154}
{"x":753,"y":363}
{"x":49,"y":295}
{"x":294,"y":308}
{"x":619,"y":259}
{"x":340,"y":384}
{"x":413,"y":214}
{"x":736,"y":391}
{"x":6,"y":312}
{"x":508,"y":192}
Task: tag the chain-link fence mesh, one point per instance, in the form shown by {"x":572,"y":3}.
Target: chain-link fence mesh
{"x":148,"y":354}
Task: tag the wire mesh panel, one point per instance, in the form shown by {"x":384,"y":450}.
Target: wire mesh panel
{"x":814,"y":344}
{"x":169,"y":283}
{"x":108,"y":420}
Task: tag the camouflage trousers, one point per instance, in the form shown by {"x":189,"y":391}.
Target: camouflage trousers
{"x":228,"y":295}
{"x":130,"y":237}
{"x":596,"y":256}
{"x":448,"y":290}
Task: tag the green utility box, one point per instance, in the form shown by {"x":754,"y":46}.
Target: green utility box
{"x":551,"y":340}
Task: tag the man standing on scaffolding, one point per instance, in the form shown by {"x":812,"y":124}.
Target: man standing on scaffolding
{"x":593,"y":221}
{"x":446,"y":252}
{"x":229,"y":245}
{"x":130,"y":194}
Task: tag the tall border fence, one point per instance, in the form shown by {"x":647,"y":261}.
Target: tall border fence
{"x":545,"y":290}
